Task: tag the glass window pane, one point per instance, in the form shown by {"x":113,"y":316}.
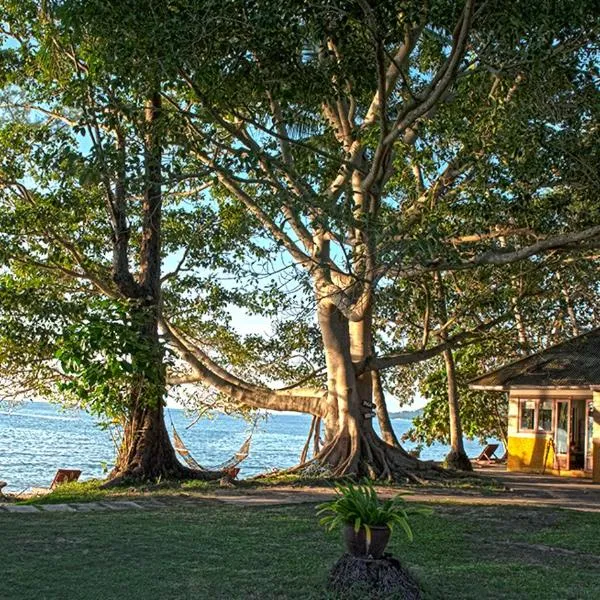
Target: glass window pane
{"x":527,"y":414}
{"x":562,"y":428}
{"x":545,"y":416}
{"x":590,"y":430}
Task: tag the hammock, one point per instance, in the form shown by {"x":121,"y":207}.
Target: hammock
{"x":191,"y":462}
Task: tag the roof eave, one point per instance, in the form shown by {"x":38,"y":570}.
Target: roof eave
{"x":550,"y":387}
{"x":502,"y":388}
{"x":488,"y":388}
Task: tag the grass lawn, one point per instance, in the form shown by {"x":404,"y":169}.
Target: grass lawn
{"x":92,"y":489}
{"x":216,"y":551}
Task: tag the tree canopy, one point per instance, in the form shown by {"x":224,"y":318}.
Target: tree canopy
{"x":319,"y":164}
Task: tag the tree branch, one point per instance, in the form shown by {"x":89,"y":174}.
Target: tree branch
{"x":206,"y":371}
{"x":409,"y":358}
{"x":440,"y":83}
{"x":503,"y":257}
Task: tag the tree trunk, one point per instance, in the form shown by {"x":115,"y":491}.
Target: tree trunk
{"x":457,"y":457}
{"x":146,"y":452}
{"x":352,"y":446}
{"x":569,"y":307}
{"x":521,"y":329}
{"x":383,"y":416}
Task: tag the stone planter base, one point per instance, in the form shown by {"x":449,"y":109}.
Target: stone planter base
{"x":356,"y":577}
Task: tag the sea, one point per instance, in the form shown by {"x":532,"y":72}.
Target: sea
{"x":36,"y":438}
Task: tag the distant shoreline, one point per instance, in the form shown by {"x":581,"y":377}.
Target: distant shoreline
{"x":408,"y":415}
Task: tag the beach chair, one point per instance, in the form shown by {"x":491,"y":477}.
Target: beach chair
{"x":65,"y":476}
{"x":488,"y":454}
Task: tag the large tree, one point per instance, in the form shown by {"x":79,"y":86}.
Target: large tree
{"x":370,"y":144}
{"x":91,"y":208}
{"x":378,"y":142}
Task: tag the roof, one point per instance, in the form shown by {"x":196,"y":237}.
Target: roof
{"x":572,"y":364}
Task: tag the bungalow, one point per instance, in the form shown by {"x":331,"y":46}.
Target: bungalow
{"x":554,"y":408}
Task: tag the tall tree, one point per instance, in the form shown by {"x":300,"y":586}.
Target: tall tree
{"x":83,"y":212}
{"x":457,"y":457}
{"x":379,"y":142}
{"x":370,"y":144}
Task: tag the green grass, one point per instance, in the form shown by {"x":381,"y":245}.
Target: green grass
{"x":91,"y":490}
{"x":226,"y":552}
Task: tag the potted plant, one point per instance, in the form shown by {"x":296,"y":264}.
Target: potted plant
{"x":367,"y":521}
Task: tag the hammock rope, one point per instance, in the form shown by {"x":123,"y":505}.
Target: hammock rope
{"x":191,"y":462}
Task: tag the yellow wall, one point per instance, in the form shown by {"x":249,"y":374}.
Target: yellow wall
{"x":596,"y":438}
{"x":527,"y":453}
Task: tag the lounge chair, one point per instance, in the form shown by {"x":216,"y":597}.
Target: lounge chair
{"x":65,"y":476}
{"x":488,"y":454}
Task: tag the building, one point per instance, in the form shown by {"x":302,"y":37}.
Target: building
{"x":554,"y":408}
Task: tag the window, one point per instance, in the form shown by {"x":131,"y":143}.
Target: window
{"x":590,"y":427}
{"x":536,"y":415}
{"x":545,"y":415}
{"x":562,"y":427}
{"x":528,"y":414}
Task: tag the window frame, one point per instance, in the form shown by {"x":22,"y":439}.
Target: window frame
{"x":552,"y":413}
{"x":536,"y":415}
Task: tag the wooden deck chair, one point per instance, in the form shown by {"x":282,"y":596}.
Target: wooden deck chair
{"x":488,"y":454}
{"x":65,"y":476}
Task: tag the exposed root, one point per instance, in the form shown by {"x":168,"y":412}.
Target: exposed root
{"x":459,"y":461}
{"x":317,"y":436}
{"x":367,"y":456}
{"x":304,"y":453}
{"x":370,"y":457}
{"x":178,"y":473}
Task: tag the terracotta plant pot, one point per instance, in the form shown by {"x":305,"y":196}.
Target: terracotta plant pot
{"x":356,"y":543}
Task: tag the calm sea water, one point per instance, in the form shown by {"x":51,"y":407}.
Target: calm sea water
{"x":36,"y":438}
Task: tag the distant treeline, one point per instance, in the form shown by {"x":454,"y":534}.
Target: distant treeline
{"x":406,"y":414}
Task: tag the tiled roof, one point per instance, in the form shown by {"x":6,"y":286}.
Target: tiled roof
{"x":574,"y":363}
